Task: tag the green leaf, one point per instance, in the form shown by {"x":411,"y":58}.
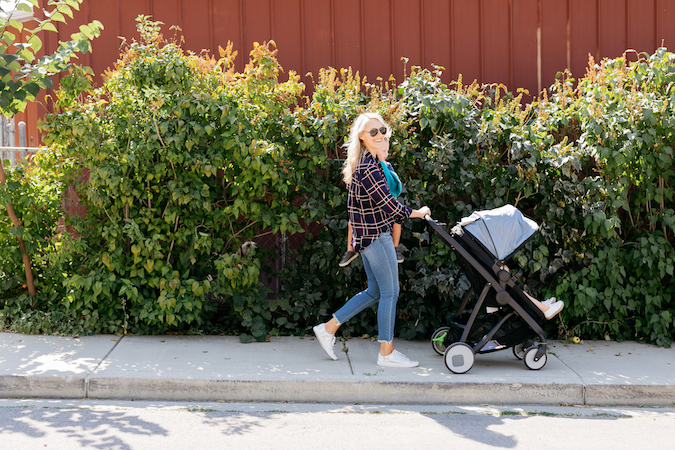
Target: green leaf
{"x":65,"y":9}
{"x":84,"y":46}
{"x":48,"y":83}
{"x":32,"y":88}
{"x":48,"y":26}
{"x":8,"y":37}
{"x":57,"y":17}
{"x":15,"y":66}
{"x":24,"y":7}
{"x":74,"y":4}
{"x":27,"y":55}
{"x":245,"y":338}
{"x":14,"y":86}
{"x":16,"y":24}
{"x":9,"y":58}
{"x":96,"y":27}
{"x":85,"y":30}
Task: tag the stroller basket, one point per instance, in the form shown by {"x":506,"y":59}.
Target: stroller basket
{"x":511,"y":333}
{"x":503,"y":316}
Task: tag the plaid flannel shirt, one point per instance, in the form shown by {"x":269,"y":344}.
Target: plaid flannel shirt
{"x":372,"y":209}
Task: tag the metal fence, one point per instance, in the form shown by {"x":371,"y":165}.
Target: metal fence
{"x":15,"y":154}
{"x":8,"y":137}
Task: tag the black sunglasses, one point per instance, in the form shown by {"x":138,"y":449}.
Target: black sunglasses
{"x":382,"y":130}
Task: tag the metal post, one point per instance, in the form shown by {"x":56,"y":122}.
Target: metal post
{"x":22,"y":134}
{"x":11,"y":142}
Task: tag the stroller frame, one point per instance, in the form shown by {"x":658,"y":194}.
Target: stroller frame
{"x":459,"y":356}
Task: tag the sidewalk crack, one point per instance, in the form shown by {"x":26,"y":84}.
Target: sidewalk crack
{"x":349,"y":360}
{"x":86,"y":380}
{"x":581,"y":379}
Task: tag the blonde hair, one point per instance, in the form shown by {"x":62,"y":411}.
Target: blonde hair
{"x":355,"y":147}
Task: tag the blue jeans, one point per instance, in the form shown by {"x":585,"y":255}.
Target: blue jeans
{"x":379,"y":260}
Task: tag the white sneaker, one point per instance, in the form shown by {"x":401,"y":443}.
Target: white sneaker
{"x":395,"y":359}
{"x":549,"y":301}
{"x":326,"y":340}
{"x":553,"y":310}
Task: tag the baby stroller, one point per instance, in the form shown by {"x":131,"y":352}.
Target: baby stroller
{"x":503,"y":317}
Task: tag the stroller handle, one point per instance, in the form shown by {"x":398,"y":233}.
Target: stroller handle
{"x":428,"y":218}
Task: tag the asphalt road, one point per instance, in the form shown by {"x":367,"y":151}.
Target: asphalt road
{"x":69,"y":425}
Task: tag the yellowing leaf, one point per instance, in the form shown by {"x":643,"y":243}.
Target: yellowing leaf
{"x":24,"y":7}
{"x":84,"y":29}
{"x":16,"y":24}
{"x":65,"y":9}
{"x":8,"y":37}
{"x":35,"y":43}
{"x":48,"y":26}
{"x":57,"y":17}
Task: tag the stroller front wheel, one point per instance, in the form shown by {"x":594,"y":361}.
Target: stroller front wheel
{"x":459,"y":358}
{"x":530,"y":359}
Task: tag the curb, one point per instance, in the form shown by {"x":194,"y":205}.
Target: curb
{"x":335,"y":391}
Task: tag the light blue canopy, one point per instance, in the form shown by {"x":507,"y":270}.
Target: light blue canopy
{"x":501,"y":230}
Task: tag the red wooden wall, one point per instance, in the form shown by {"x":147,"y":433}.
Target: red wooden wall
{"x":519,"y":43}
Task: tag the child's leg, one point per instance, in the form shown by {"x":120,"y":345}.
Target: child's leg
{"x":396,"y":234}
{"x":349,"y":255}
{"x":550,"y":311}
{"x":537,"y":303}
{"x":350,"y":248}
{"x":396,"y":238}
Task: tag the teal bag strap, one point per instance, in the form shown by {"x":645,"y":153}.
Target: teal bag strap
{"x":393,"y":181}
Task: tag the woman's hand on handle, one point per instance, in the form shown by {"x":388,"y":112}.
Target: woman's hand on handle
{"x":421,"y":213}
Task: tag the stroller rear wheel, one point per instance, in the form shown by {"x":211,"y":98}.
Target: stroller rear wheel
{"x":459,"y":358}
{"x":438,"y":340}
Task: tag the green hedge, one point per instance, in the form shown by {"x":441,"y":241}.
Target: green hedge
{"x":186,"y":161}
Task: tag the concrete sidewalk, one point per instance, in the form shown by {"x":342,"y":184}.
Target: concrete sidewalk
{"x":295,"y":369}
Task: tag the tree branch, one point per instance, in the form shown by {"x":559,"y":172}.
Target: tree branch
{"x":17,"y":223}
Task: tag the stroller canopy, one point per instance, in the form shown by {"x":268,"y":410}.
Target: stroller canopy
{"x":502,"y":231}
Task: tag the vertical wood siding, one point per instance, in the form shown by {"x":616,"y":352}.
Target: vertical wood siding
{"x":518,"y":43}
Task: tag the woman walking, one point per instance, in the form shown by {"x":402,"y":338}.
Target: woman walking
{"x":372,"y":214}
